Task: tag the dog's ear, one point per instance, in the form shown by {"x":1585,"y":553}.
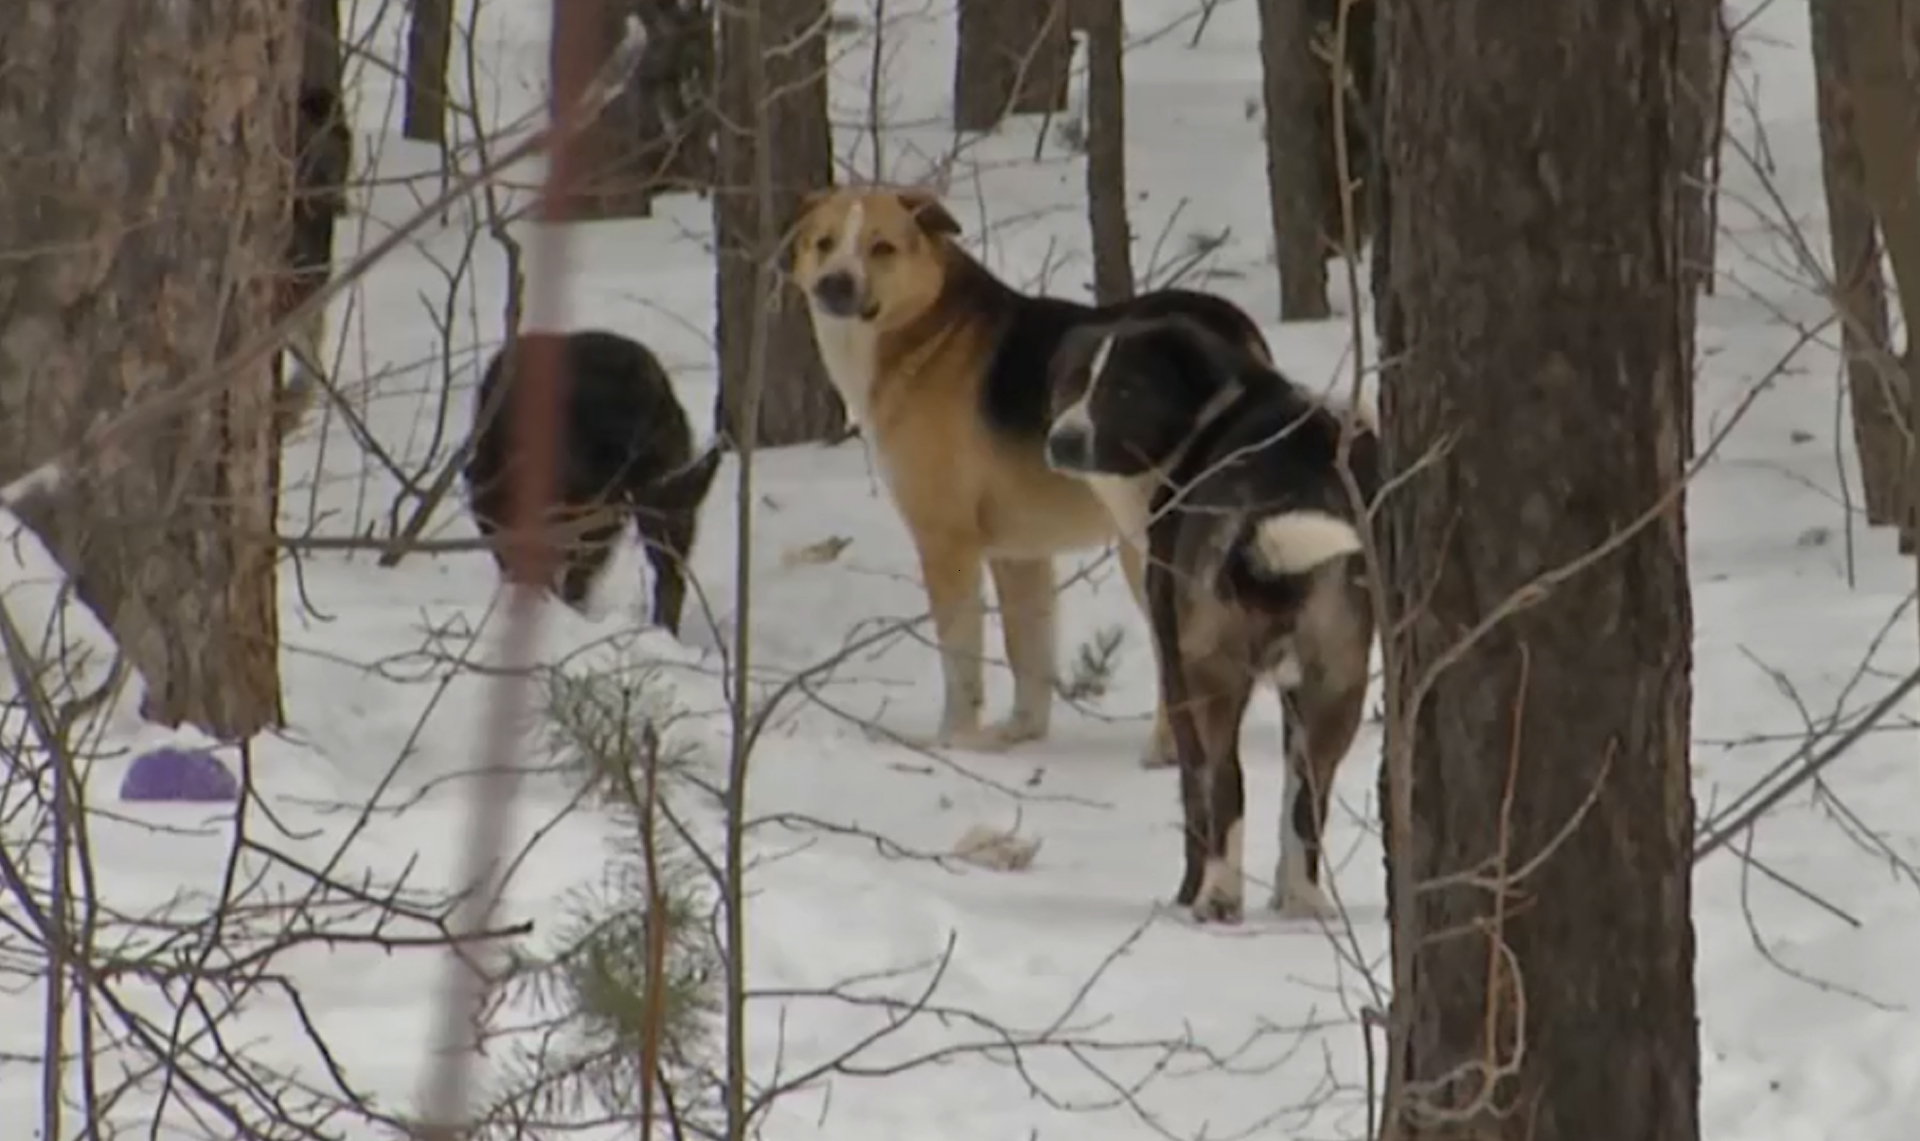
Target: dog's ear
{"x":1204,"y":351}
{"x":934,"y":218}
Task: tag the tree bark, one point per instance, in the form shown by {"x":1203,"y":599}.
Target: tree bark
{"x":155,"y":222}
{"x":429,"y":52}
{"x":1541,"y":334}
{"x":797,"y":403}
{"x":1713,"y":87}
{"x":1884,"y":107}
{"x":1866,"y":338}
{"x":1299,"y":120}
{"x":1012,"y":58}
{"x":1107,"y":151}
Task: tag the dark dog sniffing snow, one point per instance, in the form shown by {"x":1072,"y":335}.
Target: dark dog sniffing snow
{"x":1253,"y":571}
{"x":625,"y":452}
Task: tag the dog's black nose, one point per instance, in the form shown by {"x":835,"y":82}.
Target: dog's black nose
{"x":1069,"y":448}
{"x":837,"y":294}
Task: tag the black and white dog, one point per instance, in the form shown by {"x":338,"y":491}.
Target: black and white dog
{"x":625,"y":451}
{"x":1254,"y":570}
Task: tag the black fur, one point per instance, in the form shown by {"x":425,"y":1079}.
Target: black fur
{"x":1238,"y":444}
{"x":1015,"y":396}
{"x":626,"y":450}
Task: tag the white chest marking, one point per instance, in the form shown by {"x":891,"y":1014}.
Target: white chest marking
{"x":847,"y":350}
{"x":847,"y":345}
{"x":1127,"y":499}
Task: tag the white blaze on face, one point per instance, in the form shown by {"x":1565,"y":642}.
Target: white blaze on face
{"x":846,"y":252}
{"x":1078,"y":417}
{"x":1099,"y":365}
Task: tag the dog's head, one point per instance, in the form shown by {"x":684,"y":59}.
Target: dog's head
{"x":1126,"y":396}
{"x":873,"y":256}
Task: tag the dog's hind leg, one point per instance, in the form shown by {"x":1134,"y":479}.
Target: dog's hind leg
{"x":1024,"y":588}
{"x":951,"y":567}
{"x":1320,"y":725}
{"x":1159,"y":751}
{"x":1223,"y":687}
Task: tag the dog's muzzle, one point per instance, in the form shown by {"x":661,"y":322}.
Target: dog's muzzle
{"x":838,"y":294}
{"x":1069,"y":448}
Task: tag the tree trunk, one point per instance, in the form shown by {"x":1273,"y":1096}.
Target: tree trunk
{"x":1866,"y":338}
{"x":1542,"y":322}
{"x":1697,"y":131}
{"x":1107,"y":151}
{"x":1012,"y":58}
{"x":186,"y":118}
{"x":1715,"y":87}
{"x":1299,"y":156}
{"x":323,"y":162}
{"x":1883,"y":106}
{"x":797,"y":403}
{"x":656,"y":136}
{"x":429,"y":51}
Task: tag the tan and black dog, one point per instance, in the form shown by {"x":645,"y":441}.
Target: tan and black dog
{"x":945,"y":368}
{"x":1255,"y":573}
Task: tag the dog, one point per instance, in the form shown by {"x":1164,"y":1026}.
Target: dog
{"x":625,"y":452}
{"x":944,"y":368}
{"x":1255,"y":570}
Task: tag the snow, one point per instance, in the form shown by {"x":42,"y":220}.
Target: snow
{"x":1803,"y":621}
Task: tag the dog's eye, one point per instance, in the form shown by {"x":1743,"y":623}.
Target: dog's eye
{"x":883,"y":249}
{"x":823,"y":244}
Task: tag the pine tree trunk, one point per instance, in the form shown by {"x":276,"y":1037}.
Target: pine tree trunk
{"x":1866,"y":339}
{"x":1299,"y":119}
{"x":797,"y":403}
{"x":187,"y":118}
{"x":1107,"y":151}
{"x":1542,"y":321}
{"x":429,"y":52}
{"x":1012,"y":58}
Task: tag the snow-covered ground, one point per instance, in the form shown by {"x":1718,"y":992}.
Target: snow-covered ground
{"x":1174,"y":1031}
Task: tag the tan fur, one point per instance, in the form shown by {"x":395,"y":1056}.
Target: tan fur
{"x":910,"y":373}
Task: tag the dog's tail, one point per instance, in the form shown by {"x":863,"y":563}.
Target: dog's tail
{"x":1275,"y":561}
{"x":688,"y":484}
{"x":1299,"y":542}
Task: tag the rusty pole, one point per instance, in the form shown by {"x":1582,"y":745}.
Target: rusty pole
{"x":531,"y":557}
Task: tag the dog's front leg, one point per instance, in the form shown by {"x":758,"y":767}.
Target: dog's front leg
{"x":1159,"y":750}
{"x":1025,"y":591}
{"x":951,"y":569}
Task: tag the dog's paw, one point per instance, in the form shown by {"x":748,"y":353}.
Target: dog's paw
{"x":1156,"y":755}
{"x":1217,"y":907}
{"x":995,"y":738}
{"x":1302,"y":900}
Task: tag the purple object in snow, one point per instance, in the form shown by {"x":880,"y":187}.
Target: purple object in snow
{"x":193,"y":775}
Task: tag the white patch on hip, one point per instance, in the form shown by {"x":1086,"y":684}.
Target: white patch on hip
{"x":1295,"y":542}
